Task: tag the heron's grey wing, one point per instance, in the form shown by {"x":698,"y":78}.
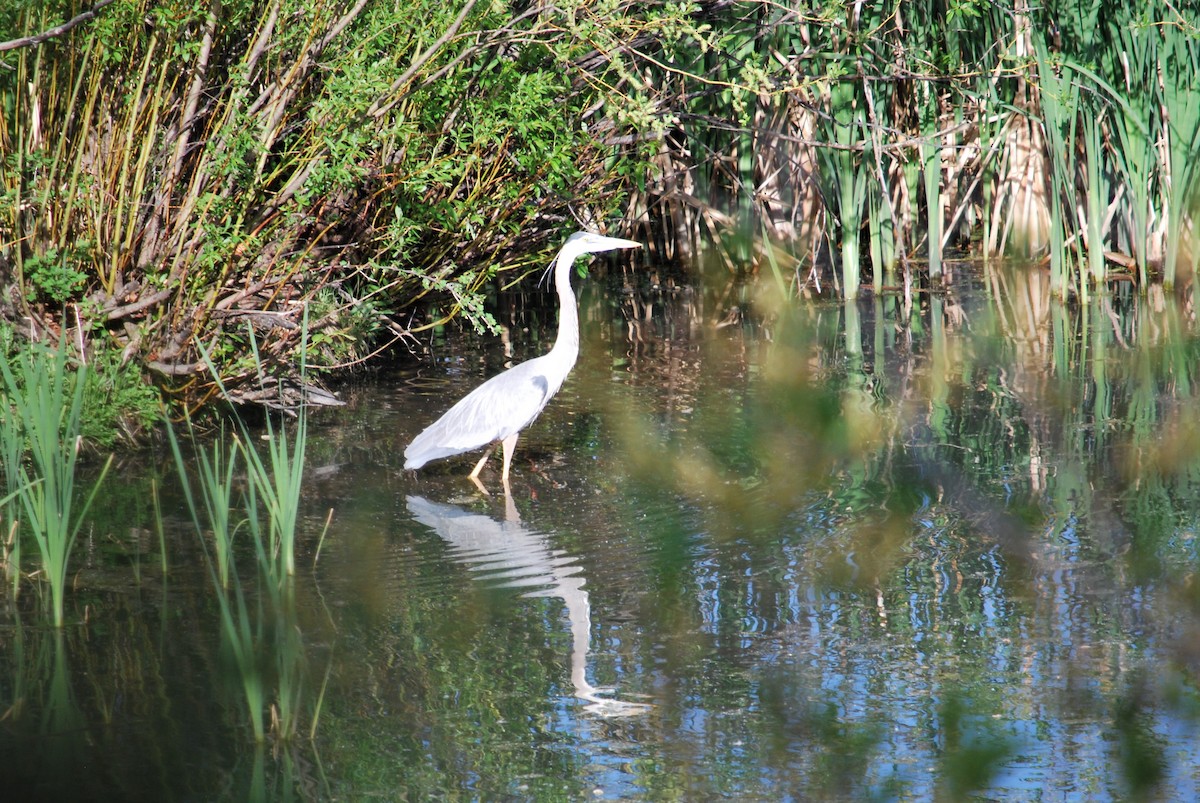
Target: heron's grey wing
{"x":505,"y":404}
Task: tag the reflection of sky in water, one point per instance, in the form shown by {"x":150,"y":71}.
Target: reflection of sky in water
{"x":893,"y":679}
{"x":1032,"y":659}
{"x":884,"y":659}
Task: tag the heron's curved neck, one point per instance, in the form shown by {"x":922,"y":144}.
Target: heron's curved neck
{"x":567,"y":342}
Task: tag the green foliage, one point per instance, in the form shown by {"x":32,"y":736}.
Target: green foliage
{"x":352,"y":326}
{"x":310,"y":142}
{"x":53,"y":275}
{"x":119,"y":402}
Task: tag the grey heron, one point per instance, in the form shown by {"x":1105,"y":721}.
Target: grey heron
{"x":497,"y":410}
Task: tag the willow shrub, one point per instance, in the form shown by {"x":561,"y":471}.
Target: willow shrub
{"x":175,"y":168}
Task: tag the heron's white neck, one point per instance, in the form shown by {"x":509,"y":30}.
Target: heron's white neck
{"x":566,"y":345}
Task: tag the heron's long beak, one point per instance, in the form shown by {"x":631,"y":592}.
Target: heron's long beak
{"x":613,"y":243}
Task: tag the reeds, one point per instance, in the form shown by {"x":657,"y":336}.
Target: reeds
{"x":259,"y":630}
{"x":241,"y":491}
{"x":846,"y":175}
{"x":40,"y":426}
{"x":1066,"y":132}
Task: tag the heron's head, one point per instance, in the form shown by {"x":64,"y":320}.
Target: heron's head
{"x":588,"y":242}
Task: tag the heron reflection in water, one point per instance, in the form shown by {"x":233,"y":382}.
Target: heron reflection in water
{"x":497,"y":411}
{"x":513,"y":556}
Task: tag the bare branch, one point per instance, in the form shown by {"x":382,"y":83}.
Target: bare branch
{"x":37,"y":39}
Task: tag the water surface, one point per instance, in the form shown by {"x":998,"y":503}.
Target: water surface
{"x":754,"y":551}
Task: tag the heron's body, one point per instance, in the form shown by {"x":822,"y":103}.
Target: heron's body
{"x":497,"y":410}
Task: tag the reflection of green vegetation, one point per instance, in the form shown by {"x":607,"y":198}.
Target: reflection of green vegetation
{"x":473,"y":701}
{"x":972,"y":747}
{"x":129,"y":693}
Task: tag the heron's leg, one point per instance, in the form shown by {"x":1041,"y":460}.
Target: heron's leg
{"x":482,"y":460}
{"x":508,"y":445}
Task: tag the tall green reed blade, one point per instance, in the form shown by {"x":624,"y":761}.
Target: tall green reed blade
{"x":1059,"y":100}
{"x":277,"y":480}
{"x":1098,"y":189}
{"x":844,"y":177}
{"x":1084,"y":28}
{"x":10,"y":545}
{"x":881,"y":219}
{"x":217,"y":472}
{"x":1181,"y":108}
{"x":1133,"y":153}
{"x":12,"y":452}
{"x":280,"y":479}
{"x":216,"y":475}
{"x":782,"y":286}
{"x":45,"y":405}
{"x":882,"y":227}
{"x":931,"y":171}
